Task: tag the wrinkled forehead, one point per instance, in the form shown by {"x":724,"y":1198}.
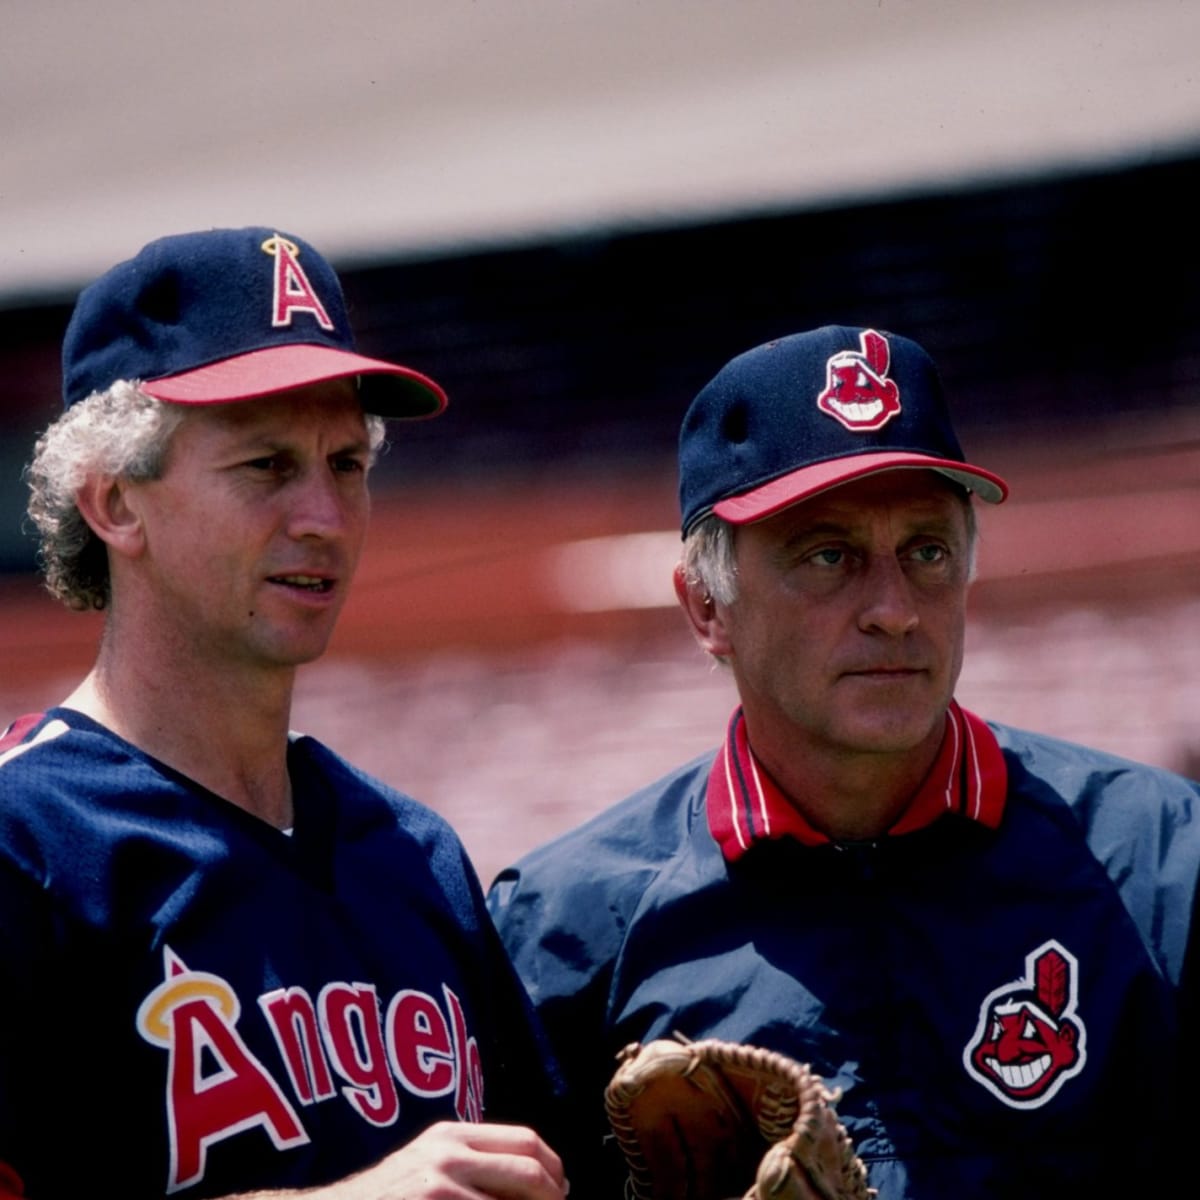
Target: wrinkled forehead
{"x":915,"y":493}
{"x":333,"y":402}
{"x":868,"y":515}
{"x":324,"y":418}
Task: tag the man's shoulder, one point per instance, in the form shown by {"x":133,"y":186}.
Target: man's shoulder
{"x":366,"y":803}
{"x":18,"y":731}
{"x":1083,"y":775}
{"x":325,"y":762}
{"x":43,"y":755}
{"x":1138,"y":823}
{"x":602,"y":867}
{"x":28,"y":732}
{"x":1141,"y":817}
{"x":562,"y":908}
{"x":644,"y":827}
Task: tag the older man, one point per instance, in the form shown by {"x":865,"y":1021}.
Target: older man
{"x":982,"y":936}
{"x":229,"y":961}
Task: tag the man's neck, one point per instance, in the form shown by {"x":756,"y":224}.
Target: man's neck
{"x":847,"y":796}
{"x":227,"y":733}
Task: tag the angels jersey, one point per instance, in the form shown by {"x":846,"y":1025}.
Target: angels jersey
{"x":196,"y":1002}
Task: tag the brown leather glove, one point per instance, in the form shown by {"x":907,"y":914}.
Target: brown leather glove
{"x":715,"y":1120}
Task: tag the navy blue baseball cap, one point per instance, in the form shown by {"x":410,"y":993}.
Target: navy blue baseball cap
{"x":225,"y":315}
{"x":802,"y":414}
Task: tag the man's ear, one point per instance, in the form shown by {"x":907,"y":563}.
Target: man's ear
{"x":704,"y":614}
{"x":104,"y":503}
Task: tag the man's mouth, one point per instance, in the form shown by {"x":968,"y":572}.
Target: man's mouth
{"x":884,"y":673}
{"x":309,"y":583}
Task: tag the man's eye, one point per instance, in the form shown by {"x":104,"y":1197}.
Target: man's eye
{"x":349,"y":465}
{"x":828,"y":556}
{"x":930,"y":554}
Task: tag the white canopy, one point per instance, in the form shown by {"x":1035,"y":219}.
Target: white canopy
{"x":393,"y":128}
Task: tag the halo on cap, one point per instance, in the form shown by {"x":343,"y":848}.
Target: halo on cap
{"x":226,"y":315}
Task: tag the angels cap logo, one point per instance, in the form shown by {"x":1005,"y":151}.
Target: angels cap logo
{"x":293,"y":292}
{"x":1030,"y":1040}
{"x":858,"y":392}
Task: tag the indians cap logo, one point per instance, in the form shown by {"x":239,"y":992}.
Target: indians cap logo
{"x":1030,"y":1041}
{"x":858,"y":392}
{"x":293,"y":292}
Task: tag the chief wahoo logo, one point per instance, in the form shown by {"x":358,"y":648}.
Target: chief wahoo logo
{"x":858,"y":392}
{"x":1030,"y":1039}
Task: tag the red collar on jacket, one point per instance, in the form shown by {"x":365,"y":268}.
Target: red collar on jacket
{"x":745,"y":805}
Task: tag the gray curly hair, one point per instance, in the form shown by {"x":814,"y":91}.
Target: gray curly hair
{"x":121,"y":432}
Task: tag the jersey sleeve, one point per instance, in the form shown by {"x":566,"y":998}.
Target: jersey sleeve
{"x":30,"y":987}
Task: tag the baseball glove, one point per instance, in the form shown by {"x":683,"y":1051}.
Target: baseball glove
{"x":713,"y":1120}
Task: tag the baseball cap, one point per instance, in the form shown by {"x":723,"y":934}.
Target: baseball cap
{"x":225,"y":315}
{"x":796,"y":416}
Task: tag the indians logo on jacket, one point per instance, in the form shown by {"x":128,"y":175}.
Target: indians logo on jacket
{"x":1030,"y":1040}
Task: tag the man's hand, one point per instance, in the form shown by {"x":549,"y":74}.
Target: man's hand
{"x":455,"y":1161}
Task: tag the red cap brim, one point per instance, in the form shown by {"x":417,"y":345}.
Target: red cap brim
{"x":389,"y":390}
{"x":809,"y":481}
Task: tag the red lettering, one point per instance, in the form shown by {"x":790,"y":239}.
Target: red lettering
{"x":292,"y":1018}
{"x":204,"y":1108}
{"x":293,"y":292}
{"x":420,"y":1046}
{"x":350,"y":1019}
{"x":475,"y":1077}
{"x":468,"y":1099}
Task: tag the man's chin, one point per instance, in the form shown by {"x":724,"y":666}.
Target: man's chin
{"x":298,"y":652}
{"x":896,"y":732}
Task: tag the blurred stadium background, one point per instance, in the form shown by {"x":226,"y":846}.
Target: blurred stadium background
{"x":571,"y":214}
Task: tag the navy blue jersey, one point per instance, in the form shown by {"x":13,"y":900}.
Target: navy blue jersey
{"x":1004,"y":1003}
{"x":194,"y":1001}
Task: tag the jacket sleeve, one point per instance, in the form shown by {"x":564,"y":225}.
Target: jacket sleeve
{"x":564,"y":912}
{"x":567,"y":970}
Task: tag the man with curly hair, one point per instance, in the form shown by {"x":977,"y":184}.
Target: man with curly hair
{"x":230,"y":962}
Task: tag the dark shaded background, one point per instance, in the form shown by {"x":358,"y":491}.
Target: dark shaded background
{"x":1064,"y":310}
{"x":1054,"y":306}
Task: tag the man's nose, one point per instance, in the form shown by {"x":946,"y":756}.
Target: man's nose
{"x":318,"y":506}
{"x":888,"y":602}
